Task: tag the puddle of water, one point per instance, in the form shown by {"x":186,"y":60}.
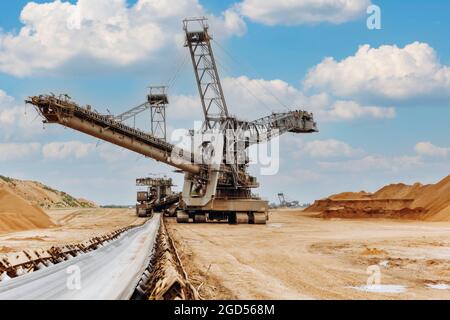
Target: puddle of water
{"x":438,"y":286}
{"x":381,"y":288}
{"x":275,"y":225}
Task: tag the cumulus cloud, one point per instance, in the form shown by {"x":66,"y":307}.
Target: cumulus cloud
{"x":112,"y":153}
{"x":349,"y":110}
{"x":254,"y":98}
{"x":387,"y":72}
{"x":373,"y":163}
{"x":65,"y":150}
{"x":4,"y":98}
{"x":15,"y":120}
{"x":104,"y":30}
{"x":329,"y":148}
{"x":296,"y":12}
{"x":16,"y":151}
{"x":230,"y":23}
{"x":246,"y":98}
{"x":185,"y":107}
{"x":257,"y":97}
{"x":431,"y":150}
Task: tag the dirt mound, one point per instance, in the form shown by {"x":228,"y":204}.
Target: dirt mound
{"x":44,"y":196}
{"x":351,"y":195}
{"x":373,"y":252}
{"x":87,"y":203}
{"x":351,"y":213}
{"x":361,"y":204}
{"x":17,"y":214}
{"x":443,"y":215}
{"x":434,"y":197}
{"x":399,"y":191}
{"x":427,"y":202}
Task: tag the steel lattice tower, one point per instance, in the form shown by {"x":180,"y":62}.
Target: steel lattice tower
{"x":158,"y":101}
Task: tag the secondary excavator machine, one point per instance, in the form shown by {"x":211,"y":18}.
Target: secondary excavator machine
{"x":217,"y":186}
{"x":158,"y":197}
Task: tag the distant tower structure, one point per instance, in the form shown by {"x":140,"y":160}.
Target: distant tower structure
{"x":158,"y":101}
{"x":282,"y":199}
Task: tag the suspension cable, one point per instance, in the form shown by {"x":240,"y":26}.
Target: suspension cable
{"x":253,"y":70}
{"x":242,"y":84}
{"x":182,"y":63}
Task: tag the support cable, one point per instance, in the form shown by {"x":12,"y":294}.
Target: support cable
{"x":242,"y":84}
{"x":253,"y":70}
{"x":182,"y":63}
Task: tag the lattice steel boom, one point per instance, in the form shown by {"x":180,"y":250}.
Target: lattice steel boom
{"x":208,"y":82}
{"x":132,"y":112}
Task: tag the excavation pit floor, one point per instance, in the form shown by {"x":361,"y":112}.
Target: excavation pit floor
{"x":300,"y":256}
{"x":71,"y":226}
{"x":295,"y":256}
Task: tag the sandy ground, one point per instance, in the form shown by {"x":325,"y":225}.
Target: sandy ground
{"x":300,"y":256}
{"x":72,"y":225}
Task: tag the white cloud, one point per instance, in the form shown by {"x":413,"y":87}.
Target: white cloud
{"x":104,"y":30}
{"x":329,"y":148}
{"x":388,"y":72}
{"x":254,"y":98}
{"x":296,"y":12}
{"x":112,"y":153}
{"x":228,"y":24}
{"x":16,"y":151}
{"x":16,"y":120}
{"x":431,"y":150}
{"x":65,"y":150}
{"x":4,"y":98}
{"x":185,"y":107}
{"x":349,"y":110}
{"x":246,"y":98}
{"x":373,"y":163}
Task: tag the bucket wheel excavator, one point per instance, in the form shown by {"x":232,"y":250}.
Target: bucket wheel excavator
{"x":217,"y":186}
{"x":158,"y":197}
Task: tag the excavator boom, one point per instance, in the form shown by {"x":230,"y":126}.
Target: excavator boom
{"x":69,"y":114}
{"x":264,"y":129}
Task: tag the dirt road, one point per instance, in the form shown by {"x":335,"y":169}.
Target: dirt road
{"x":299,"y":256}
{"x":72,"y":225}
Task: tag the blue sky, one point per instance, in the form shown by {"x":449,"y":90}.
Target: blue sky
{"x":383,"y":110}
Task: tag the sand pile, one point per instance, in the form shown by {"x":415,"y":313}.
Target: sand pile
{"x":351,"y":195}
{"x":428,"y":202}
{"x":399,"y":191}
{"x":17,"y":214}
{"x":43,"y":196}
{"x":436,"y":199}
